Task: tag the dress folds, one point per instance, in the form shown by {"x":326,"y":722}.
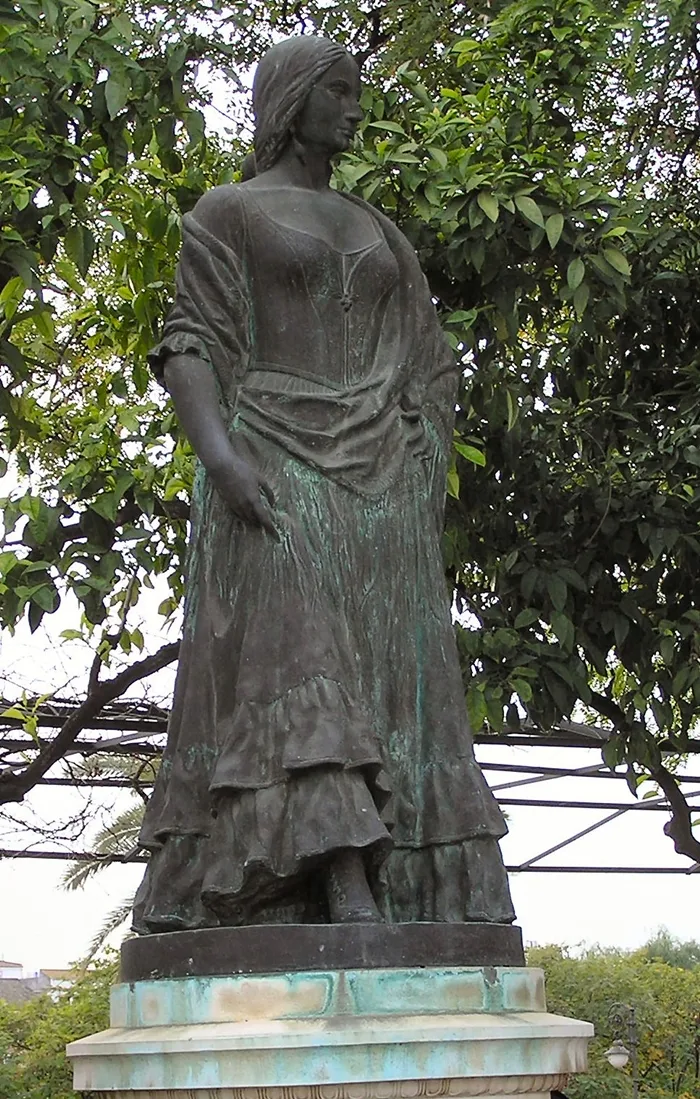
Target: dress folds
{"x":318,"y":702}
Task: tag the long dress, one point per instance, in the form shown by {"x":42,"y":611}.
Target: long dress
{"x":318,"y":703}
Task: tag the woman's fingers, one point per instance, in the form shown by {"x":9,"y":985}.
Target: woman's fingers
{"x":263,"y":517}
{"x":265,"y":488}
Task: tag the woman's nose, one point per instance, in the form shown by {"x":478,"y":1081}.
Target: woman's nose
{"x":354,"y":112}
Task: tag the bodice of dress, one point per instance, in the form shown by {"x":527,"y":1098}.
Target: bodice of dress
{"x":335,"y":357}
{"x":317,"y":312}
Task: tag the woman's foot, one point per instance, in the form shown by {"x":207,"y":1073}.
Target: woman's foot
{"x":349,"y":896}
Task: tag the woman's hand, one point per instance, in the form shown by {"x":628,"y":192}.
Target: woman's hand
{"x":195,"y":396}
{"x":247,"y":493}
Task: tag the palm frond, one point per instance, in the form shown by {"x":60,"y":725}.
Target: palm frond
{"x":107,"y":765}
{"x":116,"y":840}
{"x":113,"y":921}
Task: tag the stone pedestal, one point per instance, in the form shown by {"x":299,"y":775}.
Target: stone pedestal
{"x":352,"y":1033}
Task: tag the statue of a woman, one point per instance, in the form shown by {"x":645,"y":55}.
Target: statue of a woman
{"x":319,"y":764}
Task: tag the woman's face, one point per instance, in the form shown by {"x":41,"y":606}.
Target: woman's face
{"x":332,"y":111}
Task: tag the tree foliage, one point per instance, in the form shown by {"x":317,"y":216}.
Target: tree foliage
{"x":667,"y":1005}
{"x":34,"y":1035}
{"x":542,"y":157}
{"x":664,"y":947}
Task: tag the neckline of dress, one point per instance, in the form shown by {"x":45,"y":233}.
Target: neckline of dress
{"x":314,"y":236}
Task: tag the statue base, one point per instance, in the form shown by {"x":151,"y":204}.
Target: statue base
{"x":288,"y":948}
{"x":391,"y":1032}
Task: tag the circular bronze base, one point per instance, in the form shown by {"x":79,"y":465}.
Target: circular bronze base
{"x":290,"y":948}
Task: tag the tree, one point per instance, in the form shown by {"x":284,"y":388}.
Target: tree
{"x":34,"y":1035}
{"x":542,"y":157}
{"x":664,"y":947}
{"x":667,"y":1003}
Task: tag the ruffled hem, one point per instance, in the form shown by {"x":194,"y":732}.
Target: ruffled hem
{"x":169,"y":896}
{"x":316,"y":723}
{"x":445,"y":883}
{"x":264,"y":846}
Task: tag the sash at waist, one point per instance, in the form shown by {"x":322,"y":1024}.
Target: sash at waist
{"x":359,"y":435}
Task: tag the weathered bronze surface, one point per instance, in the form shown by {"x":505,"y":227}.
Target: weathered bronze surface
{"x":319,"y":766}
{"x":221,"y":951}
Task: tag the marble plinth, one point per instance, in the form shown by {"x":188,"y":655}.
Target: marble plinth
{"x":345,"y":1034}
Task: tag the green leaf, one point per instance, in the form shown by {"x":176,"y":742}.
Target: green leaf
{"x":47,"y":598}
{"x":613,"y":752}
{"x":621,"y":628}
{"x":530,"y":210}
{"x":557,"y":590}
{"x":106,"y":505}
{"x":513,"y":409}
{"x":508,"y":562}
{"x":438,"y":155}
{"x":489,"y":204}
{"x":526,"y":618}
{"x":355,"y":172}
{"x":572,"y":578}
{"x":558,"y":692}
{"x":554,"y":227}
{"x":80,"y":246}
{"x":476,"y":707}
{"x":618,"y":260}
{"x":563,"y":628}
{"x":462,"y":316}
{"x":117,"y":91}
{"x":581,"y":298}
{"x":387,"y":124}
{"x":523,"y":689}
{"x":43,"y":321}
{"x":529,"y":583}
{"x":453,"y":483}
{"x":575,"y":273}
{"x":471,"y":453}
{"x":494,"y":712}
{"x":8,"y":561}
{"x":35,"y":615}
{"x":14,"y":714}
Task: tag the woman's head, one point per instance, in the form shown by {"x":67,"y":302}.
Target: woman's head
{"x":307,"y":87}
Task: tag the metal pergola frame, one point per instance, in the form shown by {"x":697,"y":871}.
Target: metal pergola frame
{"x":141,"y":727}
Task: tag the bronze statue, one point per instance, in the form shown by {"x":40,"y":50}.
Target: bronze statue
{"x":319,"y":765}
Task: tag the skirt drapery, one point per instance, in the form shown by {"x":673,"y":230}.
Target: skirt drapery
{"x":319,"y":705}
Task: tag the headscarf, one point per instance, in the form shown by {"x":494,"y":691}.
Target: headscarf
{"x":284,"y":77}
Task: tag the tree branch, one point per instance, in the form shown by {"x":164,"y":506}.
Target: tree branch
{"x":679,"y":828}
{"x":376,"y":39}
{"x":14,"y":787}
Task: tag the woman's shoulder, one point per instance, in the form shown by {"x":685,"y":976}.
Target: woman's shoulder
{"x":219,"y":210}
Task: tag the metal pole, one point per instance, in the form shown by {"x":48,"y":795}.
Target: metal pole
{"x":633,"y":1044}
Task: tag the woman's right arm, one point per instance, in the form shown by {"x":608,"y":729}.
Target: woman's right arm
{"x":191,"y":385}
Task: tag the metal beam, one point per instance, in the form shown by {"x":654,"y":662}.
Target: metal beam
{"x":84,"y":856}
